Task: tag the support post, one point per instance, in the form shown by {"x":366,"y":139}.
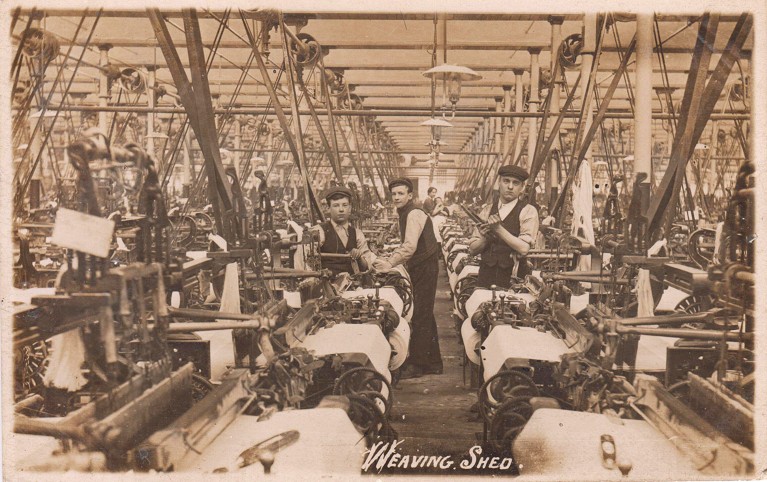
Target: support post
{"x":552,"y":173}
{"x":104,"y":86}
{"x":506,"y":123}
{"x":519,"y":107}
{"x":532,"y":126}
{"x":237,"y":128}
{"x":587,"y":62}
{"x":643,"y":105}
{"x":150,"y":84}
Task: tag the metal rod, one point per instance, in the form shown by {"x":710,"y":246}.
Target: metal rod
{"x":375,"y":151}
{"x":209,"y":315}
{"x":659,"y":320}
{"x":589,"y":279}
{"x":211,"y":326}
{"x":278,"y":275}
{"x":688,"y":334}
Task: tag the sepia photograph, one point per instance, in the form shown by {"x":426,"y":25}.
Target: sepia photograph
{"x":353,"y":240}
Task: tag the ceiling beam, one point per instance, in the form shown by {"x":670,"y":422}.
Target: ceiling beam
{"x":398,"y":16}
{"x":424,"y":46}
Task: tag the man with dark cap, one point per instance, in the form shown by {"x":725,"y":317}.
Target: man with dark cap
{"x":510,"y":231}
{"x":338,"y":236}
{"x":419,"y":253}
{"x":430,"y":202}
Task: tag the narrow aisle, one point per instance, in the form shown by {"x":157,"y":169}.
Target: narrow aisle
{"x":431,"y":413}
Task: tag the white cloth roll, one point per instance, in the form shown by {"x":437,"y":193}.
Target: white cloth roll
{"x":399,"y":341}
{"x":457,"y":260}
{"x":471,"y":340}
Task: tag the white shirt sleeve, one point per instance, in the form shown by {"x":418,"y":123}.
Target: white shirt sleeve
{"x":416,"y":220}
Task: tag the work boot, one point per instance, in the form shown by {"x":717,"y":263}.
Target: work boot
{"x":411,"y":371}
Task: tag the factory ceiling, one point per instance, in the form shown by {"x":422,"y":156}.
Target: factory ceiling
{"x":381,"y":57}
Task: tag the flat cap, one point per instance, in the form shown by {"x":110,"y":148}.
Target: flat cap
{"x":514,"y":171}
{"x":333,"y":190}
{"x":402,"y":181}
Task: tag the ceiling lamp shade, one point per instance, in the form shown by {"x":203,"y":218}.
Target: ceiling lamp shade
{"x":39,"y":113}
{"x":436,"y":122}
{"x":436,"y":126}
{"x":452,"y":76}
{"x":48,"y":117}
{"x":446,"y":71}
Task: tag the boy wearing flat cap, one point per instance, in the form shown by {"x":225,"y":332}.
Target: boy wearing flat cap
{"x":419,"y":253}
{"x":508,"y":235}
{"x":338,"y":236}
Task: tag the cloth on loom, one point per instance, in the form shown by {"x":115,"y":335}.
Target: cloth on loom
{"x":221,"y":342}
{"x":718,"y":241}
{"x":399,"y":339}
{"x":67,"y":353}
{"x":67,"y":357}
{"x":299,"y":256}
{"x":583,"y":204}
{"x":646,"y":305}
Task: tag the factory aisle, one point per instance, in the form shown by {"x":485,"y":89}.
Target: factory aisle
{"x":431,"y":413}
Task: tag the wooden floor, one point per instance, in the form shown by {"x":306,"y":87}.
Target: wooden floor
{"x":431,"y":414}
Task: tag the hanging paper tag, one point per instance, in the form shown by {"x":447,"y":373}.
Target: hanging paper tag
{"x":83,"y":232}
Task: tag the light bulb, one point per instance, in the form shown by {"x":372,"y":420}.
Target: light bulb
{"x":454,"y":87}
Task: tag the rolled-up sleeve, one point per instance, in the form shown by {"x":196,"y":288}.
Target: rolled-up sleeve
{"x":528,"y":224}
{"x":484,"y":214}
{"x":416,"y":220}
{"x":362,"y":245}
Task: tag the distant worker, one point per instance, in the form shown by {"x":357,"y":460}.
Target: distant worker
{"x":338,"y":236}
{"x":509,"y":233}
{"x":419,"y":253}
{"x":440,"y":209}
{"x":430,"y":202}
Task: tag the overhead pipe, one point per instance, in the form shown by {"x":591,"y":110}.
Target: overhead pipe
{"x":659,"y":115}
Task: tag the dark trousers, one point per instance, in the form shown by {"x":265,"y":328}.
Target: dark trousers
{"x":494,"y":275}
{"x":501,"y":277}
{"x":424,"y":342}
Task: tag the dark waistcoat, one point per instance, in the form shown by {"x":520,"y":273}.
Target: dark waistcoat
{"x":427,"y":243}
{"x":333,"y":245}
{"x":497,"y":252}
